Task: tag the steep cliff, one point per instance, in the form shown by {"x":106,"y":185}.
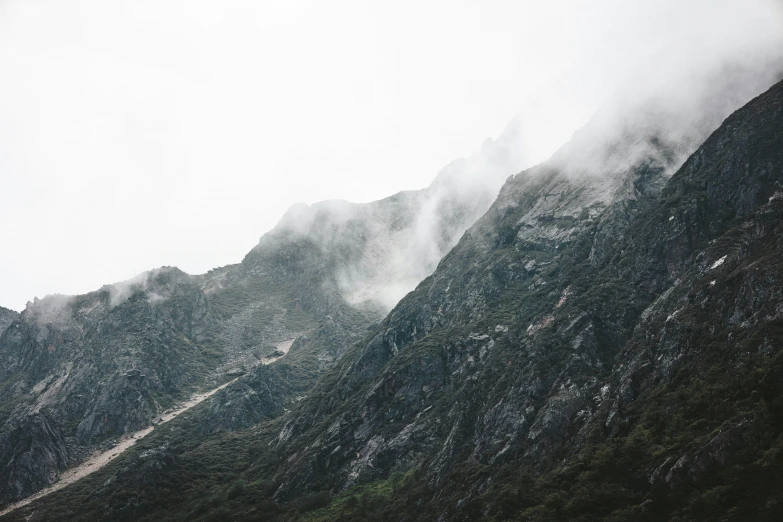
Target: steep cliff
{"x":6,"y":318}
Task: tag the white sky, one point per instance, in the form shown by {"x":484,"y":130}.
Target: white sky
{"x":148,"y":133}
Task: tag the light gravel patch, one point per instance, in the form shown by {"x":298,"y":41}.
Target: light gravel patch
{"x":99,"y":459}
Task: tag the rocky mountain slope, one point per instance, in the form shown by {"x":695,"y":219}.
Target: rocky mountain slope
{"x":603,"y":343}
{"x":551,"y":324}
{"x":78,"y":371}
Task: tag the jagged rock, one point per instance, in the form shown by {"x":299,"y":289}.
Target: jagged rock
{"x":33,"y":452}
{"x":6,"y":318}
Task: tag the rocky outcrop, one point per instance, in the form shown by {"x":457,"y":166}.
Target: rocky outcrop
{"x":6,"y":318}
{"x":35,"y":451}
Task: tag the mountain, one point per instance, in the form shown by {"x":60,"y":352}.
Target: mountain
{"x":77,"y":372}
{"x":387,"y":247}
{"x":603,"y":343}
{"x":547,"y":339}
{"x":80,"y":371}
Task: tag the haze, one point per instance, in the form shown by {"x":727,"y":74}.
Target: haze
{"x":141,"y":134}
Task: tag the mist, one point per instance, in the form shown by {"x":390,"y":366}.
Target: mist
{"x":658,"y":115}
{"x":173,"y":133}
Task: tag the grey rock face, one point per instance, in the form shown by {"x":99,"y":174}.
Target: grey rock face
{"x":6,"y":318}
{"x":592,"y":282}
{"x":37,"y":450}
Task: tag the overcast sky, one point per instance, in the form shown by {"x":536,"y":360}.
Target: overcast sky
{"x":148,"y":133}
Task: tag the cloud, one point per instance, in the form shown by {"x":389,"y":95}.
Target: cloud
{"x":52,"y":309}
{"x":662,"y":118}
{"x":661,"y":112}
{"x":152,"y":283}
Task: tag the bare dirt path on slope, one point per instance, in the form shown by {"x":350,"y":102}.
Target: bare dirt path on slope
{"x":99,"y":459}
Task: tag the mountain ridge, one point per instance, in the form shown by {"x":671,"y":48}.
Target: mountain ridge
{"x":550,"y":368}
{"x":80,"y":370}
{"x":522,"y":339}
